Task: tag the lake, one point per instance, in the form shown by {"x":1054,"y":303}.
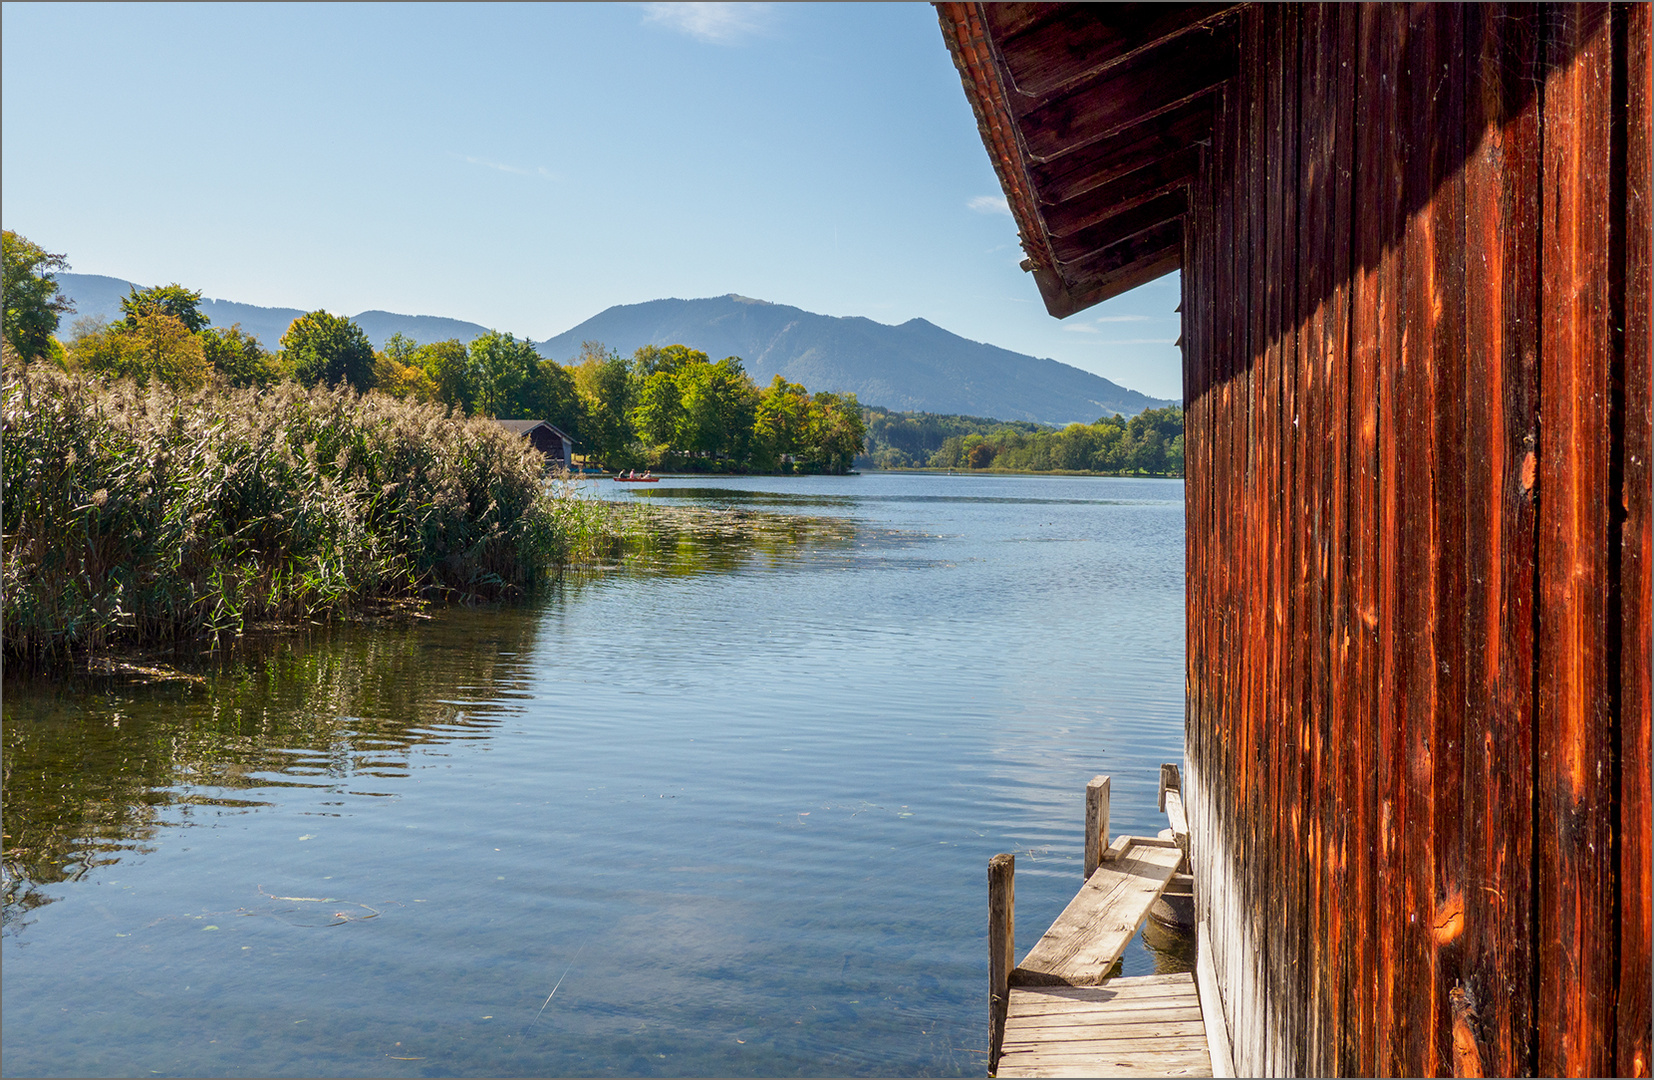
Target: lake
{"x":728,"y":814}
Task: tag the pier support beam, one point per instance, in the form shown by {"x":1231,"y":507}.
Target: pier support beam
{"x":1002,"y":943}
{"x":1096,"y":823}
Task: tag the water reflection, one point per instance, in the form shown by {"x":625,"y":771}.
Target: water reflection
{"x":95,"y":765}
{"x":731,"y":798}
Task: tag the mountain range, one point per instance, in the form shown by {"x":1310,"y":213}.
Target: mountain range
{"x":916,"y":365}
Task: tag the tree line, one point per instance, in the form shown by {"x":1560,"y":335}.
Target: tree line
{"x":1150,"y":443}
{"x":662,"y":407}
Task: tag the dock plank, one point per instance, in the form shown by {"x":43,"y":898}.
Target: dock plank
{"x":1145,"y":1026}
{"x":1088,"y":937}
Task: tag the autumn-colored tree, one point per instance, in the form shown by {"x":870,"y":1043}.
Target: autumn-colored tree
{"x":153,"y":345}
{"x":397,"y":371}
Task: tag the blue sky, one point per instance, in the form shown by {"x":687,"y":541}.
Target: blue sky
{"x":526,"y":166}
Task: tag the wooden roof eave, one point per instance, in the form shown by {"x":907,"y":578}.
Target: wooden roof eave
{"x":967,"y":38}
{"x":1122,"y":132}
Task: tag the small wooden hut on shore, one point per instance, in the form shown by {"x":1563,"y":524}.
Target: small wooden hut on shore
{"x":549,"y":439}
{"x":1415,"y":253}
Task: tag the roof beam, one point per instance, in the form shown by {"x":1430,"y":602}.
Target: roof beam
{"x":1117,"y":196}
{"x":1149,"y":244}
{"x":1074,"y":251}
{"x":1066,"y":44}
{"x":1156,"y":82}
{"x":1068,"y":176}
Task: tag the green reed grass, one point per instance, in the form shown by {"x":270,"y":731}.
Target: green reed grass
{"x":147,"y":516}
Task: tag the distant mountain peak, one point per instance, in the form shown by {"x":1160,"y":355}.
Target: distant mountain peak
{"x":915,"y":366}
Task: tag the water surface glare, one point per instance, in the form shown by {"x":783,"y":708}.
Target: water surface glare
{"x":678,"y":822}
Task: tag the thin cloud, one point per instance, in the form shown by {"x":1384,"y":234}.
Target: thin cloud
{"x":1080,"y":328}
{"x":1121,"y":318}
{"x":990,"y":204}
{"x":497,"y":166}
{"x":716,"y":24}
{"x":500,"y":166}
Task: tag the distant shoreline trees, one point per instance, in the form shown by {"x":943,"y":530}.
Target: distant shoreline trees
{"x":665,"y":408}
{"x":1150,"y":443}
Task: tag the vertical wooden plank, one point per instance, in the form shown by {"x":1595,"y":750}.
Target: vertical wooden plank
{"x":1388,"y":212}
{"x":1573,"y":780}
{"x":1414,"y":554}
{"x":1444,"y":899}
{"x":1314,"y":185}
{"x":1636,"y":761}
{"x":1273,"y":708}
{"x":1292,"y":974}
{"x":1231,"y":256}
{"x":1501,"y":302}
{"x":1348,"y":769}
{"x":1257,"y":863}
{"x":1372,"y":341}
{"x":1237,"y":358}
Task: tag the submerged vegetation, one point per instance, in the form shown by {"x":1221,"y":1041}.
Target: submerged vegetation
{"x":146,"y":515}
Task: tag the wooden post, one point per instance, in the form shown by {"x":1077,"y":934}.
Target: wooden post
{"x":1171,"y":801}
{"x":1002,"y":940}
{"x":1096,"y":823}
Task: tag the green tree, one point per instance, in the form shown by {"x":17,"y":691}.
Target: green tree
{"x":781,"y":423}
{"x":658,"y":411}
{"x":174,"y":300}
{"x":504,"y":370}
{"x":33,"y":304}
{"x":329,"y":349}
{"x":448,"y":366}
{"x":1110,"y":455}
{"x":238,"y":357}
{"x":719,"y":402}
{"x":552,"y":397}
{"x":668,"y":358}
{"x":837,"y":432}
{"x":603,"y":379}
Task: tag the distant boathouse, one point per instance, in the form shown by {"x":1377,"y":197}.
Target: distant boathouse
{"x":1415,"y":254}
{"x":549,"y":439}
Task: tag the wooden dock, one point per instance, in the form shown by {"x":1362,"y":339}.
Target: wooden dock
{"x":1063,"y":1011}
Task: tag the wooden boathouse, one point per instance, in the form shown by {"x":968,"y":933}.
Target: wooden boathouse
{"x":1415,"y":253}
{"x":549,"y":439}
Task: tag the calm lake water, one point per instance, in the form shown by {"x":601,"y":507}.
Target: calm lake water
{"x":736,"y":811}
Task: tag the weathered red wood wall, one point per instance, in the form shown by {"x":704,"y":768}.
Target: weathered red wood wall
{"x":1417,"y":348}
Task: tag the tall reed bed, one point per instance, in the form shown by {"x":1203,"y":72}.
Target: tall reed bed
{"x":146,"y":516}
